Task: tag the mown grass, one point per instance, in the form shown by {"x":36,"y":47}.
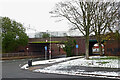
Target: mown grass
{"x":106,"y":58}
{"x":102,"y":62}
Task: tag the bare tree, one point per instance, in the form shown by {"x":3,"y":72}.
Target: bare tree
{"x":105,"y":17}
{"x":80,"y":15}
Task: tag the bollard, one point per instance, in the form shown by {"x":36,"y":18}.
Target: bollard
{"x":29,"y":63}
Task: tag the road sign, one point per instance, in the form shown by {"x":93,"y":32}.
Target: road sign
{"x":45,"y":48}
{"x":76,"y":46}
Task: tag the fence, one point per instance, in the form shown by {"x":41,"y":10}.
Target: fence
{"x":21,"y":54}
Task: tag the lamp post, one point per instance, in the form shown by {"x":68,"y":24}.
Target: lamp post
{"x":29,"y":61}
{"x":27,"y":51}
{"x":76,"y":49}
{"x":45,"y":52}
{"x":50,"y":52}
{"x":50,"y":47}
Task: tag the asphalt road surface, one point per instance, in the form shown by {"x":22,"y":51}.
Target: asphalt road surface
{"x":11,"y":71}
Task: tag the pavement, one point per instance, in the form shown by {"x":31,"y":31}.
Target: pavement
{"x":41,"y":66}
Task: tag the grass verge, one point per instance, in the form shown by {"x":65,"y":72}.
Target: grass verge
{"x":105,"y":58}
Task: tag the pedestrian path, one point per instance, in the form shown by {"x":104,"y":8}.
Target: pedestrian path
{"x":41,"y":66}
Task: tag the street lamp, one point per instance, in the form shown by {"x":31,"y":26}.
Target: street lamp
{"x":27,"y":51}
{"x":45,"y":52}
{"x":77,"y":49}
{"x":29,"y":61}
{"x":50,"y":47}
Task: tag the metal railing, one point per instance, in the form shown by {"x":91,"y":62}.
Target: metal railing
{"x":20,"y":54}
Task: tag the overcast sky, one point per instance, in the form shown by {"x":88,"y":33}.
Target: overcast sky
{"x":33,"y":12}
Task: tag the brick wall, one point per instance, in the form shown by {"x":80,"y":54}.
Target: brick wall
{"x":81,"y":47}
{"x":112,"y":48}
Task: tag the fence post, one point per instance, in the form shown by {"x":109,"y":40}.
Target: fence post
{"x":7,"y":54}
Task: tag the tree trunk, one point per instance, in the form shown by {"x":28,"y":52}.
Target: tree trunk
{"x":100,"y":48}
{"x":87,"y":46}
